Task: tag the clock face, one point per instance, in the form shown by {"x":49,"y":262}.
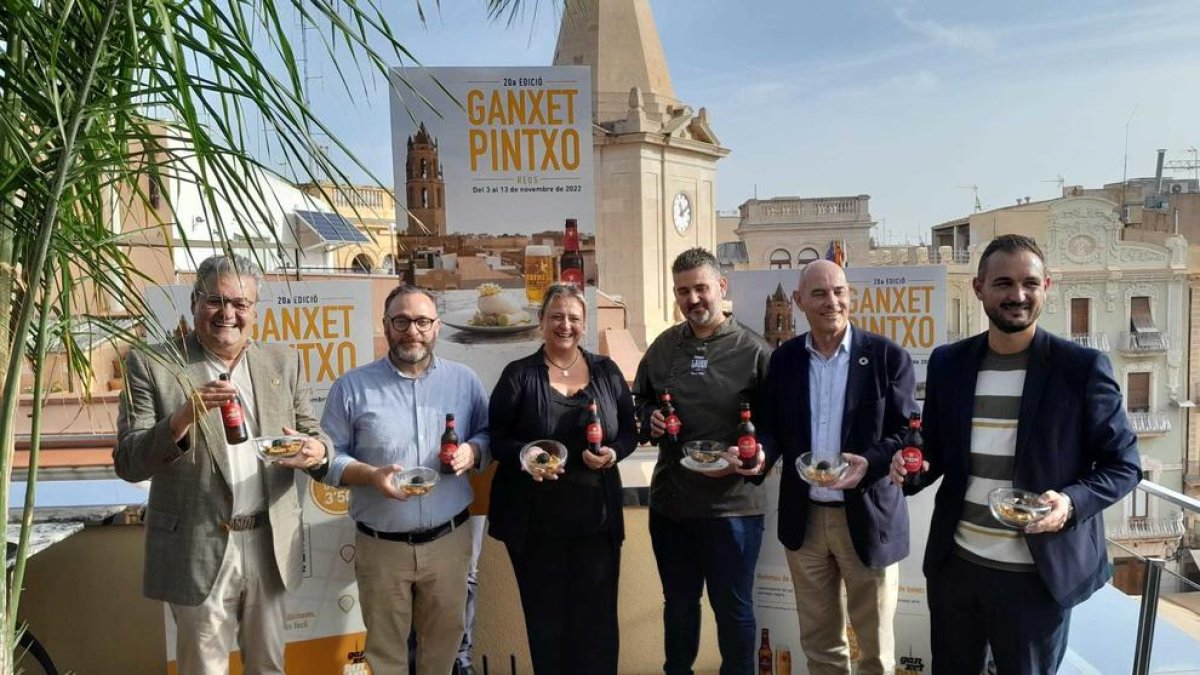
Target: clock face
{"x":681,"y":212}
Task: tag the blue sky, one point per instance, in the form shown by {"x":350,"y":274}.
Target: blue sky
{"x":905,"y":100}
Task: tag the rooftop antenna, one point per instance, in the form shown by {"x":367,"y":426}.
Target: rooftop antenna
{"x":1057,"y":179}
{"x":1125,"y":168}
{"x":974,"y":191}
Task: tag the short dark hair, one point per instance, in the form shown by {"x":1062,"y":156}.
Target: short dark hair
{"x":693,"y":258}
{"x":1010,"y":243}
{"x":407,"y":290}
{"x":567,"y":290}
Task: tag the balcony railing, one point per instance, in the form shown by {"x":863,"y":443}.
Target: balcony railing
{"x":1092,"y":340}
{"x":1149,"y":423}
{"x":1142,"y":343}
{"x":1143,"y":527}
{"x":957,"y":257}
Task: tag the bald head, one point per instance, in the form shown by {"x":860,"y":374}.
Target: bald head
{"x":822,"y":270}
{"x":824,"y":297}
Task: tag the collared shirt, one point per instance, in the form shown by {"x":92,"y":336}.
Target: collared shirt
{"x":826,"y":403}
{"x":377,"y":415}
{"x":245,"y":480}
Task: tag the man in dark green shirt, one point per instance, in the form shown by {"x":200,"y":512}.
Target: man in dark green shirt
{"x":706,"y":527}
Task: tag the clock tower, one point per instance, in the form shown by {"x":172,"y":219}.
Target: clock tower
{"x":655,"y":158}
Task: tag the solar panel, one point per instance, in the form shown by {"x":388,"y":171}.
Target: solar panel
{"x":332,"y":227}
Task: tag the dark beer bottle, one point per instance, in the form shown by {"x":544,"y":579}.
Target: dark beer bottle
{"x":671,"y":419}
{"x":233,"y":416}
{"x":449,"y":445}
{"x":912,"y":454}
{"x":595,"y":432}
{"x":570,"y":265}
{"x":765,"y":662}
{"x":747,"y":442}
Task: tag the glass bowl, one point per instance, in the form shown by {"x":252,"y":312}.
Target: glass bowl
{"x":704,"y":455}
{"x":544,"y":457}
{"x":417,"y":481}
{"x":271,"y":449}
{"x":1016,"y":508}
{"x":823,"y":472}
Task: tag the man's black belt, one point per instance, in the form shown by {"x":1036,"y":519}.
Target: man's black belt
{"x":828,"y":505}
{"x":422,"y":537}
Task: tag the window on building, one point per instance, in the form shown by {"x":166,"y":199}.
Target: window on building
{"x":424,"y":168}
{"x":1080,"y":316}
{"x":781,"y":260}
{"x":806,"y":256}
{"x":424,"y":198}
{"x":1137,"y":392}
{"x":1142,"y":331}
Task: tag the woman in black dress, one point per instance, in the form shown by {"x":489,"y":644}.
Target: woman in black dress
{"x":563,"y":531}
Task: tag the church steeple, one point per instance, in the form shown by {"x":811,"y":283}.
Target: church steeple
{"x":618,"y":39}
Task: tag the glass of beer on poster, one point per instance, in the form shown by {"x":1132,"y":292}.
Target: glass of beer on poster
{"x":539,"y":272}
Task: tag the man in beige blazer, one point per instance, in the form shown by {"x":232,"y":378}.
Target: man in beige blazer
{"x":223,"y":531}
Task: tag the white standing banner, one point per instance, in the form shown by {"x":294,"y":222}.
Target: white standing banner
{"x":907,"y":305}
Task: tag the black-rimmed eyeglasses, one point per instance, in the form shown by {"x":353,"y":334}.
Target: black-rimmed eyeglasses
{"x":400,"y":324}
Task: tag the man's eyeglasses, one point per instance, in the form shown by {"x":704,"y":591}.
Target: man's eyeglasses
{"x":401,"y":323}
{"x":218,"y":302}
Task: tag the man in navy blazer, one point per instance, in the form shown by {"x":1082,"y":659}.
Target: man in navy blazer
{"x":839,"y":391}
{"x":1017,"y":406}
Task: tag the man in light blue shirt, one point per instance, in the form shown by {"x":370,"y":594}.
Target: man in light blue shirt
{"x":412,"y":554}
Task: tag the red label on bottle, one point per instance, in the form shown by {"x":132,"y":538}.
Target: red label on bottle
{"x":747,"y":447}
{"x":673,"y":425}
{"x":447,"y":453}
{"x":231,"y":414}
{"x":594,"y":433}
{"x":571,"y":275}
{"x":913,"y":459}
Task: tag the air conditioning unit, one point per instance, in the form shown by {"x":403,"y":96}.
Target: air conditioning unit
{"x":1177,"y":188}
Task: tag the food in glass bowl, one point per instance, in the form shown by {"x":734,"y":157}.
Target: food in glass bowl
{"x":820,"y":471}
{"x":271,"y":449}
{"x":704,"y":456}
{"x":544,"y":457}
{"x":1016,"y":508}
{"x":417,"y":481}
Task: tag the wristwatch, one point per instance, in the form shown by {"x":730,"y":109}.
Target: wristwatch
{"x":317,"y":471}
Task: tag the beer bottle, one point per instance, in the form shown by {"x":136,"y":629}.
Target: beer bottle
{"x":449,"y":445}
{"x":747,"y":443}
{"x":233,"y":416}
{"x":672,"y":420}
{"x":571,"y":263}
{"x":595,"y":432}
{"x":914,"y":458}
{"x":765,"y":662}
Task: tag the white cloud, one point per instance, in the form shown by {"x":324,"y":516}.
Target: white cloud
{"x":922,"y":80}
{"x":762,"y":93}
{"x":971,"y":38}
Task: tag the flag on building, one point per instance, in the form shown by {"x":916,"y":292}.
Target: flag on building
{"x":836,"y":253}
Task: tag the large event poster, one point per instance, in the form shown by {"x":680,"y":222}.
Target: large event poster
{"x":906,"y":304}
{"x":513,"y":147}
{"x":331,"y":326}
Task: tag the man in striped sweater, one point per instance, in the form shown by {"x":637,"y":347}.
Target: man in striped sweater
{"x":1017,"y":406}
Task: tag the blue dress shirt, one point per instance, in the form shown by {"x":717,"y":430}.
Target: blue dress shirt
{"x":827,"y":401}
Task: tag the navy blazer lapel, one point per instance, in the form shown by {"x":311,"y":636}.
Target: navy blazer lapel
{"x":1036,"y":373}
{"x":967,"y":378}
{"x":804,"y":397}
{"x":860,"y":371}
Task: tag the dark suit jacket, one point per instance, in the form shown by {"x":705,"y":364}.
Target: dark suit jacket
{"x":518,"y":412}
{"x":1072,"y":437}
{"x":879,"y":400}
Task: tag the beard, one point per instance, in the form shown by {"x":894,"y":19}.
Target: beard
{"x":410,"y":353}
{"x":701,"y":315}
{"x":1006,"y":325}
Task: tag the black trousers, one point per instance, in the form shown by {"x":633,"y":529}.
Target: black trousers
{"x":971,"y":606}
{"x":569,"y":595}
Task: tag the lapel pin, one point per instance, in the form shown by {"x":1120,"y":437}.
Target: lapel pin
{"x":863,"y":361}
{"x":275,"y":381}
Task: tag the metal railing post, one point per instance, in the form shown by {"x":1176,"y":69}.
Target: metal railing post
{"x":1146,"y":616}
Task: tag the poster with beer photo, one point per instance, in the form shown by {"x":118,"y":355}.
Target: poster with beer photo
{"x":498,"y":150}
